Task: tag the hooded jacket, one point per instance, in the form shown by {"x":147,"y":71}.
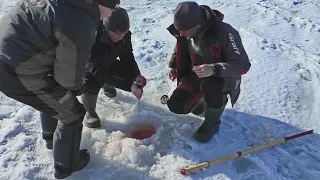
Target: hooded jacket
{"x":46,"y":38}
{"x":220,"y":45}
{"x":112,"y":63}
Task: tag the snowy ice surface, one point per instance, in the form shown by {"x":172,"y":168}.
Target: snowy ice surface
{"x":280,"y":97}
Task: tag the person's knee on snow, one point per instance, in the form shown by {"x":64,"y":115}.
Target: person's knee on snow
{"x":181,"y":102}
{"x":178,"y":100}
{"x":185,"y":96}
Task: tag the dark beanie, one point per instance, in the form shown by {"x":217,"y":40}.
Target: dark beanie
{"x":187,"y":16}
{"x":118,"y":22}
{"x":112,"y":4}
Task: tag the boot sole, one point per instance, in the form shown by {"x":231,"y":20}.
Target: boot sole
{"x":203,"y":140}
{"x":110,"y":95}
{"x":94,"y":125}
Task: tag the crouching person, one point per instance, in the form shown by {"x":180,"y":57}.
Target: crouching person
{"x":207,"y":62}
{"x":112,"y":62}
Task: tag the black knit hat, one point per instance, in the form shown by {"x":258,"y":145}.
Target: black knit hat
{"x":112,"y":4}
{"x":187,"y":15}
{"x":118,"y":22}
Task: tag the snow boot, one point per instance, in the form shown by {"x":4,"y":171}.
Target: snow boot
{"x":92,"y":119}
{"x":210,"y":125}
{"x":49,"y":125}
{"x":82,"y":161}
{"x":66,"y":154}
{"x":109,"y":91}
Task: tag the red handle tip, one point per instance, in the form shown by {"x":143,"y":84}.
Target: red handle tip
{"x":183,"y":172}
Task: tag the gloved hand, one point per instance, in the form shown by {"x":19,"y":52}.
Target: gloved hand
{"x":173,"y":74}
{"x":136,"y":90}
{"x":141,"y":80}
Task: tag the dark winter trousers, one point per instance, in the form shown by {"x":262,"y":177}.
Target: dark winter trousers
{"x":55,"y":101}
{"x":116,"y":75}
{"x":191,"y":88}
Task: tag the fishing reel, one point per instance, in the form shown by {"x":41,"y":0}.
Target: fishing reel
{"x":164,"y":99}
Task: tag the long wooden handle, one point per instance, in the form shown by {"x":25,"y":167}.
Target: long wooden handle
{"x":195,"y":168}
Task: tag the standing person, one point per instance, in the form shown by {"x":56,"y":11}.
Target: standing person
{"x":112,"y":62}
{"x":44,"y":47}
{"x":207,"y":62}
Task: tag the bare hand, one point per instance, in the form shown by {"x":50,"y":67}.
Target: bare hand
{"x":204,"y":70}
{"x":136,"y":91}
{"x":173,"y":74}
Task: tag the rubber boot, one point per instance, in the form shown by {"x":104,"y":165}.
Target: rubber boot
{"x":66,"y":154}
{"x":49,"y":125}
{"x":92,"y":119}
{"x":210,"y":125}
{"x":109,"y":91}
